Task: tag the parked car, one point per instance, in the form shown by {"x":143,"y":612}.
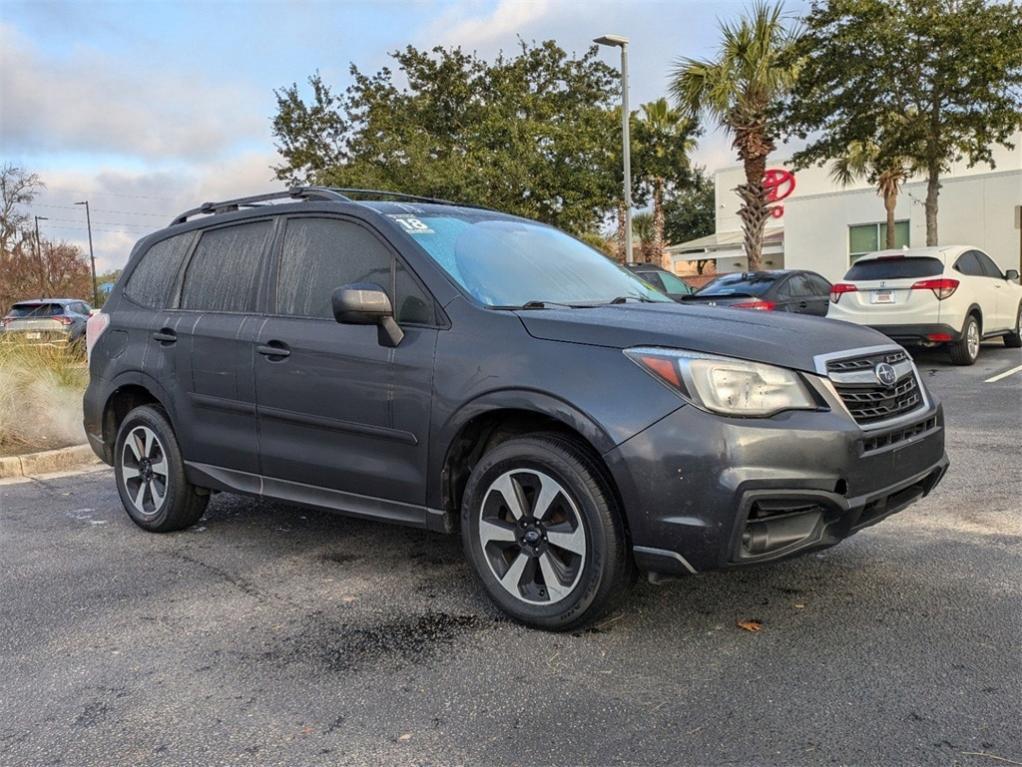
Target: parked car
{"x":951,"y":295}
{"x":781,"y":290}
{"x":670,"y":285}
{"x":47,"y":321}
{"x":465,"y":371}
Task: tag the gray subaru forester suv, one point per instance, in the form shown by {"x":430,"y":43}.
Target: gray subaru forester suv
{"x":465,"y":371}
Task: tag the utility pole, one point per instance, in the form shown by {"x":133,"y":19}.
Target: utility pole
{"x":39,"y":257}
{"x":617,"y":41}
{"x":92,"y":257}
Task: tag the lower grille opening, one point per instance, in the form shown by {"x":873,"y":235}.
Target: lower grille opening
{"x":778,"y":524}
{"x":888,"y":439}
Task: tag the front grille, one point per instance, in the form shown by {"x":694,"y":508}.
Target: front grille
{"x":868,"y":400}
{"x":865,"y":363}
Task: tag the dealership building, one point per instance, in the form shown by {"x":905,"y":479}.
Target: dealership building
{"x":820,"y":225}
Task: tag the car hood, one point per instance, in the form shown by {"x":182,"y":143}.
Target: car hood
{"x":788,"y":340}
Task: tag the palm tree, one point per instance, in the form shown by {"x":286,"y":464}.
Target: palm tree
{"x":739,"y":88}
{"x":642,"y":227}
{"x":864,"y":160}
{"x":664,"y":139}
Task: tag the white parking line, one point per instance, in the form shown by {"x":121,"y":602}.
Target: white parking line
{"x":1005,"y":374}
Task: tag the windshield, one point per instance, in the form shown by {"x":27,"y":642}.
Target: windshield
{"x":502,"y":262}
{"x":898,"y":267}
{"x":739,"y":284}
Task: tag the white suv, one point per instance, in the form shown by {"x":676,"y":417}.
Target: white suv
{"x":953,"y":294}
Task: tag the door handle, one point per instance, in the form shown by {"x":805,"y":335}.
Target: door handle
{"x":273,"y":349}
{"x":803,"y":305}
{"x":165,"y":336}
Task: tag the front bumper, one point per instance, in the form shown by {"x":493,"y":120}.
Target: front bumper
{"x":703,"y":492}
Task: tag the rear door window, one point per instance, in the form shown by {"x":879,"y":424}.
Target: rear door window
{"x":799,"y":286}
{"x":224,"y":273}
{"x":898,"y":268}
{"x":152,"y":281}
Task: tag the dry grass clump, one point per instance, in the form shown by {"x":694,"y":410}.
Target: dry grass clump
{"x":41,"y":391}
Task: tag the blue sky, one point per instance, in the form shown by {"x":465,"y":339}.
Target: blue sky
{"x":149,"y":107}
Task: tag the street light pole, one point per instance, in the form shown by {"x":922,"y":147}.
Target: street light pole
{"x":92,"y":257}
{"x":617,"y":41}
{"x":39,"y":257}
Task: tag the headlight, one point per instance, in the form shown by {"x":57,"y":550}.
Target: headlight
{"x":724,"y":384}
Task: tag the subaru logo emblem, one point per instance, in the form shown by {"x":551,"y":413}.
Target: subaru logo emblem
{"x":885,"y":374}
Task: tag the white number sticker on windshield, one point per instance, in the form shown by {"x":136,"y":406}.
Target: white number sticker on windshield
{"x":411,"y":224}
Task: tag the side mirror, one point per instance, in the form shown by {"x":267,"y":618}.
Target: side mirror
{"x":1011,"y":274}
{"x":366,"y":303}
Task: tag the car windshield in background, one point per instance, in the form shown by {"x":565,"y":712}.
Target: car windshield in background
{"x":738,"y":285}
{"x":36,"y":310}
{"x":895,"y":268}
{"x":504,"y":262}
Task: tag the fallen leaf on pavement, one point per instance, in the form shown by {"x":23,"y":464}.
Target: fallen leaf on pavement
{"x":406,"y":736}
{"x":751,"y":624}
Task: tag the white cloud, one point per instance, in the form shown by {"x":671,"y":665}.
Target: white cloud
{"x":127,"y":205}
{"x":86,"y":101}
{"x":506,"y":20}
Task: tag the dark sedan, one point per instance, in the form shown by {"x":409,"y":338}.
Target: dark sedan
{"x":47,"y":321}
{"x":671,"y":285}
{"x":781,"y":290}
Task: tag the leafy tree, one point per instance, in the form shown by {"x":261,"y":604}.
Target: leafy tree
{"x":533,"y":133}
{"x":741,"y":89}
{"x":886,"y":173}
{"x":933,"y":81}
{"x":690,"y":211}
{"x":17,"y":187}
{"x":663,"y":139}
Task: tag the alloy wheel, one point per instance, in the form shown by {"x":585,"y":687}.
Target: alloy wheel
{"x":532,"y":536}
{"x":144,"y":470}
{"x":972,"y":339}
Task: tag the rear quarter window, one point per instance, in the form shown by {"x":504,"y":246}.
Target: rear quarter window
{"x":152,"y":281}
{"x":894,"y":269}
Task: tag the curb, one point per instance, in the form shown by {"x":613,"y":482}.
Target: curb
{"x":47,"y":461}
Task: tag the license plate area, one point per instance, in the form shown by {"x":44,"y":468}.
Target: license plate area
{"x":33,"y":336}
{"x":882,"y":297}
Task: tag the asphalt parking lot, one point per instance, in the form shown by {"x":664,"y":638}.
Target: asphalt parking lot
{"x":275,"y":635}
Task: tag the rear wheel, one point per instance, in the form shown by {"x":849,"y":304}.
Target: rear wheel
{"x":150,"y":474}
{"x":1013,"y":340}
{"x":965,"y":350}
{"x":542,"y":532}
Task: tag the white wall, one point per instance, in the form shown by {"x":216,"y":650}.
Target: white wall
{"x":973,"y":210}
{"x":976,"y":207}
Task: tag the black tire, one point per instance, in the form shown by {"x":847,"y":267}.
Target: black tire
{"x":1014,"y":340}
{"x":601,"y":574}
{"x":180,"y":505}
{"x":962,"y":352}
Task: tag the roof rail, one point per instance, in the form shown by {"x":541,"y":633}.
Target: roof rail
{"x":398,"y":196}
{"x":255,"y":201}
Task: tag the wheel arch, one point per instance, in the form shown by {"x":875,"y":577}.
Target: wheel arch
{"x":496,"y":417}
{"x":129,"y":390}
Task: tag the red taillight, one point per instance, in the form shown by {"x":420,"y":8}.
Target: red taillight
{"x":838,"y":289}
{"x":65,"y":320}
{"x":939,"y":337}
{"x":94,"y":328}
{"x":760,"y":306}
{"x":942,"y":287}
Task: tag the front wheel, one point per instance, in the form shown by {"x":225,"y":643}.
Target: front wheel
{"x":150,"y":474}
{"x":965,"y":350}
{"x":542,"y":531}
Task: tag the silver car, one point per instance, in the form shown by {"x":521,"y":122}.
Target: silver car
{"x":47,"y":321}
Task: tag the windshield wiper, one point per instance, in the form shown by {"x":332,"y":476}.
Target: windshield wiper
{"x":537,"y":304}
{"x":624,"y":299}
